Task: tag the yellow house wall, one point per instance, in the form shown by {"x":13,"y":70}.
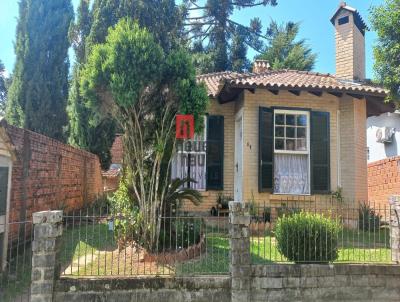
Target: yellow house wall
{"x":348,"y":164}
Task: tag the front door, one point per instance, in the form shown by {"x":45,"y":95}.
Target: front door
{"x":238,"y":185}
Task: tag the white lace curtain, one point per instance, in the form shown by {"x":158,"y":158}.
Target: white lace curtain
{"x":291,"y":174}
{"x":180,"y":169}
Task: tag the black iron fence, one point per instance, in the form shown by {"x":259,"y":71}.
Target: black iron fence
{"x":96,"y":243}
{"x":16,"y":261}
{"x":325,"y":231}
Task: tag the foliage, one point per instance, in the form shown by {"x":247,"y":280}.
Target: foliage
{"x":307,"y":237}
{"x":214,"y":27}
{"x":162,"y":18}
{"x":223,"y":201}
{"x":177,"y":193}
{"x":368,"y":219}
{"x":131,"y":79}
{"x":127,"y":217}
{"x":3,"y":89}
{"x":385,"y":20}
{"x":180,"y":233}
{"x":338,"y":194}
{"x":38,"y":94}
{"x":284,"y":52}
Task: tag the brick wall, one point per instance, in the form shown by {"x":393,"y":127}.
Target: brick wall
{"x":383,"y":180}
{"x":48,"y":175}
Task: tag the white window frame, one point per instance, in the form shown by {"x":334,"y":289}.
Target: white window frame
{"x":197,"y":138}
{"x":308,"y":139}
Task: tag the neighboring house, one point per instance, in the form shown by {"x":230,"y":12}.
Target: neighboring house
{"x":277,"y":135}
{"x":383,"y":136}
{"x":112,"y":176}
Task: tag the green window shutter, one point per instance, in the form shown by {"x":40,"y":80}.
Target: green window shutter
{"x":320,"y":152}
{"x":266,"y":149}
{"x":215,"y":152}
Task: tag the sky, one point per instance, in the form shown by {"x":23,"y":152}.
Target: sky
{"x":314,"y":16}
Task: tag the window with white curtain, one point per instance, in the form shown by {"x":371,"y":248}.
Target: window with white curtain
{"x":291,"y":152}
{"x":189,"y":161}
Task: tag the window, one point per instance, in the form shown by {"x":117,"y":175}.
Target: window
{"x":190,"y":161}
{"x":291,"y":152}
{"x":343,"y":20}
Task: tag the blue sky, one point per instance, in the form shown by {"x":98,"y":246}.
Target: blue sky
{"x":314,"y":17}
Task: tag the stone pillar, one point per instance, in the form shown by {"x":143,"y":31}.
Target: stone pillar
{"x":240,"y":261}
{"x":45,"y":246}
{"x":395,"y":228}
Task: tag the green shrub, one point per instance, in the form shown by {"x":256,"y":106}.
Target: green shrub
{"x":368,"y":220}
{"x":180,"y":233}
{"x":307,"y":237}
{"x":127,"y":217}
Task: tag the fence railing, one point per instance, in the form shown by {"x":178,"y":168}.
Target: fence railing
{"x":357,"y":233}
{"x":16,"y":261}
{"x":100,"y":243}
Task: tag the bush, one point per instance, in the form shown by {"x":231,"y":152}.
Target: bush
{"x":127,"y":217}
{"x":368,"y":220}
{"x":307,"y":237}
{"x":180,"y":233}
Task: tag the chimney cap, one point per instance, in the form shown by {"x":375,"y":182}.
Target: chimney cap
{"x":260,"y":66}
{"x":359,"y":21}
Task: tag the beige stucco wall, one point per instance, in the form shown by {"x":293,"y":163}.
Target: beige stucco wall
{"x":348,"y":167}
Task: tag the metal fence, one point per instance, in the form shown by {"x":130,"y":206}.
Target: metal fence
{"x":99,"y":243}
{"x":15,"y":272}
{"x":351,"y":232}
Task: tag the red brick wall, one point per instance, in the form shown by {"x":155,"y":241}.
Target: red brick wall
{"x":117,"y":151}
{"x":383,"y":180}
{"x":49,"y":175}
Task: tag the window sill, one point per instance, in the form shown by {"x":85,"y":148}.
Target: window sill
{"x":289,"y":197}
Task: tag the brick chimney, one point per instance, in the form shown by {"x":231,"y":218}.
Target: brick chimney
{"x":350,"y":43}
{"x":260,"y":66}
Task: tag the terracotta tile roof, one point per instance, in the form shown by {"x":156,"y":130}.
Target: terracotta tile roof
{"x":213,"y":80}
{"x":286,"y":79}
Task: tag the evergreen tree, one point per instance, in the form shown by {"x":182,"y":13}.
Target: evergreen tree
{"x":385,"y":20}
{"x":39,"y":90}
{"x":284,"y":52}
{"x":238,"y":58}
{"x":213,"y":25}
{"x":161,"y":17}
{"x":3,"y":89}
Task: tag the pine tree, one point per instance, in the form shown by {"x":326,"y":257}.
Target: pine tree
{"x":284,"y":52}
{"x":213,"y":26}
{"x":39,"y":90}
{"x":3,"y":88}
{"x":161,"y":17}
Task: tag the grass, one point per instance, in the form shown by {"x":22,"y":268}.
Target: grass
{"x":93,"y":249}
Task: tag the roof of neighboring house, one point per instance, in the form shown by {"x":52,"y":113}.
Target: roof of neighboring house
{"x":225,"y":86}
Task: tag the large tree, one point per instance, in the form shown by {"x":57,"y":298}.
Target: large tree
{"x":385,"y":20}
{"x":162,"y":17}
{"x":284,"y":51}
{"x":142,"y":86}
{"x":3,"y":89}
{"x":39,"y":90}
{"x":210,"y":22}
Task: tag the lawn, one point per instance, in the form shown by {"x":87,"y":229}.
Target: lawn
{"x":92,"y":250}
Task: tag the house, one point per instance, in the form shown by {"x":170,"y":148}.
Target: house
{"x":290,"y":135}
{"x":383,"y":136}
